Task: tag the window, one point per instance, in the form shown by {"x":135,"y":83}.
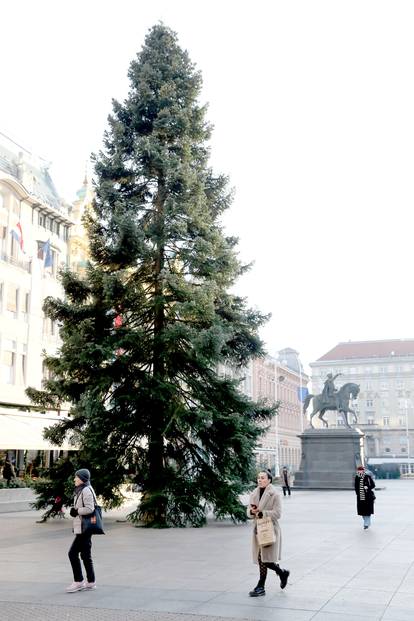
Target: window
{"x":388,"y":450}
{"x":386,"y":421}
{"x":23,"y":359}
{"x":42,"y":220}
{"x":12,"y":300}
{"x":370,"y":420}
{"x":8,"y":361}
{"x":25,"y":305}
{"x":3,"y":240}
{"x":368,"y":386}
{"x":369,"y":403}
{"x":403,"y":449}
{"x":384,"y":385}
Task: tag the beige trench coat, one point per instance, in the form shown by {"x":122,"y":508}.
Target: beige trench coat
{"x":271,"y":506}
{"x":84,"y":502}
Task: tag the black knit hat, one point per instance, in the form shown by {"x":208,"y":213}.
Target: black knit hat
{"x":83,"y":474}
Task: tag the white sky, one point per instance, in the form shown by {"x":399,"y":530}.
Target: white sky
{"x":313,"y":108}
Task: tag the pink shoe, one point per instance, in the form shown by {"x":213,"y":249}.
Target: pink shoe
{"x":75,"y":586}
{"x":90,"y":585}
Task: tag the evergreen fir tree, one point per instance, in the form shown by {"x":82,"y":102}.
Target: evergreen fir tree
{"x":143,"y":334}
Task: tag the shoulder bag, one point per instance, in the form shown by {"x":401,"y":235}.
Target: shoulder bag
{"x":92,"y":524}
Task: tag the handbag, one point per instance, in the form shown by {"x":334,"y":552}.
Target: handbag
{"x":265,"y":532}
{"x":92,"y":524}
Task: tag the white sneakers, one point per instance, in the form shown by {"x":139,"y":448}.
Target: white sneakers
{"x":75,"y":586}
{"x":80,"y":586}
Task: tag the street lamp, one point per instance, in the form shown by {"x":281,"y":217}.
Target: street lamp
{"x":407,"y":434}
{"x":278,"y":380}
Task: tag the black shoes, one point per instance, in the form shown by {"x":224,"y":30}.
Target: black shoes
{"x":284,"y":578}
{"x":257,"y":592}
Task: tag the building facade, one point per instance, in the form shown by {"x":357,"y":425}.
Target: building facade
{"x":34,"y":233}
{"x":276,"y":380}
{"x":384,"y":371}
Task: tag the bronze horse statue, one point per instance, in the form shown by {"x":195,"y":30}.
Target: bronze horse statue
{"x":339,"y":402}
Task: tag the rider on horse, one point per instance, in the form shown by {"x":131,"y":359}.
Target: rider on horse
{"x":329,"y":392}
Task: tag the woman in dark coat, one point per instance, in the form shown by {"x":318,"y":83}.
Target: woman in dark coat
{"x":364,"y":484}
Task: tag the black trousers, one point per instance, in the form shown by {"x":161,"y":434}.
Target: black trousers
{"x":286,"y":488}
{"x":82,"y":546}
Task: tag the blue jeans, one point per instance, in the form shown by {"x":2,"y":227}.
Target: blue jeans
{"x":367,"y":520}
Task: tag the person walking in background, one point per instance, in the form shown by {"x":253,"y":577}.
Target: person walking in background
{"x":8,"y":471}
{"x":364,"y":484}
{"x":83,"y":504}
{"x":265,"y":502}
{"x":286,"y":478}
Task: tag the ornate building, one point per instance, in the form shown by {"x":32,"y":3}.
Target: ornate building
{"x":385,"y":372}
{"x":34,"y":232}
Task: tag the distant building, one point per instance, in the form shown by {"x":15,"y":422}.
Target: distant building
{"x":385,"y":372}
{"x":78,"y":243}
{"x":34,"y":232}
{"x":274,"y":380}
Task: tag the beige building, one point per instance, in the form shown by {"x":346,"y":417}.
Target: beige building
{"x":385,"y":372}
{"x":34,"y":232}
{"x":276,"y":380}
{"x":78,"y":245}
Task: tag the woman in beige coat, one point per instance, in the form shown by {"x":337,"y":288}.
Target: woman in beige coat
{"x":265,"y":502}
{"x":83,"y":504}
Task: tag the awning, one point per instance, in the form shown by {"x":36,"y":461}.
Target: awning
{"x":24,"y":431}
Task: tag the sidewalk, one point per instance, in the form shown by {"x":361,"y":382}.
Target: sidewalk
{"x":339,"y":572}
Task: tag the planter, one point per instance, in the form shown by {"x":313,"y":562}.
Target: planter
{"x":16,"y":499}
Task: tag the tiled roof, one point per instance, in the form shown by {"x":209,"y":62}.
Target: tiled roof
{"x":370,"y":349}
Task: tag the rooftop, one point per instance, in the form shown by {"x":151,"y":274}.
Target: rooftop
{"x":370,"y":349}
{"x":31,"y":171}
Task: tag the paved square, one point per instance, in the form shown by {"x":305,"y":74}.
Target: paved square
{"x":339,"y":572}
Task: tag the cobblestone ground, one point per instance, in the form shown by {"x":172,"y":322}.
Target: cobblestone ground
{"x":32,"y":612}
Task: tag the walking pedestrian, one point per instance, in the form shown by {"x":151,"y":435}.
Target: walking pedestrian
{"x":8,"y":471}
{"x":285,"y":475}
{"x":265,"y":501}
{"x":83,"y":504}
{"x":364,"y":484}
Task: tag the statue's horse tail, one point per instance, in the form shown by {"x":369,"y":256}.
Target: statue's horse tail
{"x":306,"y":402}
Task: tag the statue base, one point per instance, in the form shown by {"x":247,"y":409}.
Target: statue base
{"x":329,"y":458}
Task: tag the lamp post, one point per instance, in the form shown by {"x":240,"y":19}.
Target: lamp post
{"x":300,"y":389}
{"x":278,"y":380}
{"x":407,"y":433}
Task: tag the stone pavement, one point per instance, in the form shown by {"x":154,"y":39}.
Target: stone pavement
{"x":339,"y":572}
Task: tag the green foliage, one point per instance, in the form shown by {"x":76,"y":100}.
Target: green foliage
{"x":147,"y":399}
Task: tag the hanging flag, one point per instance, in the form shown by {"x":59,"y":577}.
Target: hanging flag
{"x":302,"y":393}
{"x":47,"y":254}
{"x":17,"y":234}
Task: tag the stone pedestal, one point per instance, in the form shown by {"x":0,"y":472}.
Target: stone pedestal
{"x":329,"y":458}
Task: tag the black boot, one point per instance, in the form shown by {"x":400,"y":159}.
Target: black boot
{"x":284,"y":575}
{"x":257,"y":591}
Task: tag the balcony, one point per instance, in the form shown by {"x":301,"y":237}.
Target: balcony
{"x":24,"y":265}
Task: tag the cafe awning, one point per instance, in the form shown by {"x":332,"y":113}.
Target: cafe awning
{"x":24,"y":431}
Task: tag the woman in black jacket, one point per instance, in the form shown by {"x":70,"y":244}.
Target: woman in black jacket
{"x":364,"y":484}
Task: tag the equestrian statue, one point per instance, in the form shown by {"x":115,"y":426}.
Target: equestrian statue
{"x":332,"y":399}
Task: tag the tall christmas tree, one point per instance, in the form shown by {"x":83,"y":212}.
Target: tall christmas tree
{"x":144,"y":333}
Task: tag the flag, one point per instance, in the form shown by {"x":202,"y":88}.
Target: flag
{"x":47,"y":254}
{"x":17,"y":234}
{"x":302,"y":395}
